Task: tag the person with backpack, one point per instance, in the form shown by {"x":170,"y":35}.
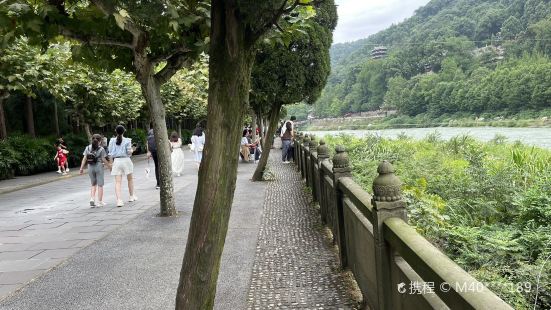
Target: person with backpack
{"x":152,"y":153}
{"x":95,"y":156}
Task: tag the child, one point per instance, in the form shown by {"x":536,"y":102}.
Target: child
{"x":95,"y":156}
{"x":61,"y":159}
{"x":63,"y":146}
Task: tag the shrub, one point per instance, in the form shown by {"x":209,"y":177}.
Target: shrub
{"x":139,"y":138}
{"x":486,"y":205}
{"x":24,"y":155}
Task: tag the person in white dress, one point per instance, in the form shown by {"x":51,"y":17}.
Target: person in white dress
{"x":197,"y":144}
{"x":177,"y":156}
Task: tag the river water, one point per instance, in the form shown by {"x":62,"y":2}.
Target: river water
{"x":530,"y":136}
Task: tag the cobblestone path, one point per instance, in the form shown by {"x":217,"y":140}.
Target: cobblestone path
{"x":294,"y":266}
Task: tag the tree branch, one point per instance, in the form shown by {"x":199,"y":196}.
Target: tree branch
{"x":283,"y":9}
{"x":94,"y":40}
{"x":279,"y":27}
{"x":168,"y":55}
{"x":174,"y":63}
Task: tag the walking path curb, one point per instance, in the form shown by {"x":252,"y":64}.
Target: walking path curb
{"x":46,"y":180}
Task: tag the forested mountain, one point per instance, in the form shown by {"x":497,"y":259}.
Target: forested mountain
{"x":451,"y":56}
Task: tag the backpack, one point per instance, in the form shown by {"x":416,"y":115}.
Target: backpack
{"x":91,"y":158}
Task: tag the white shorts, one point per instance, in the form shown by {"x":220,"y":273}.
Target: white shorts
{"x":122,"y":166}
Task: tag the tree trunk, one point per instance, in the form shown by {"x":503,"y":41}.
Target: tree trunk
{"x":88,"y":131}
{"x":152,"y":92}
{"x":253,"y":125}
{"x":230,"y":64}
{"x":267,"y":143}
{"x":262,"y":130}
{"x":179,"y":128}
{"x":3,"y":130}
{"x":56,"y":120}
{"x":29,"y":116}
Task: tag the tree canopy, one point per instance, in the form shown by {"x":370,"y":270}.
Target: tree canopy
{"x":294,"y":73}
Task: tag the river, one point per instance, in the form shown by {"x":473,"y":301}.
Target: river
{"x":530,"y":136}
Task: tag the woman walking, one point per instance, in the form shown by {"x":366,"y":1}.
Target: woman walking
{"x":120,"y":150}
{"x":96,"y":157}
{"x":198,"y":143}
{"x":177,"y":156}
{"x":286,"y":138}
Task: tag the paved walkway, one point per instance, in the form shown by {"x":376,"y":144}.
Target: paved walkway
{"x":294,"y":265}
{"x":128,"y":258}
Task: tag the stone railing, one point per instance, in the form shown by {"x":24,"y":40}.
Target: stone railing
{"x":394,"y":266}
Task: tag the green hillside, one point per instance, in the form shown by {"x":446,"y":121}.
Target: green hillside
{"x":471,"y":56}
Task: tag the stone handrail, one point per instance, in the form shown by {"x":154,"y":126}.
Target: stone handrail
{"x":394,"y":266}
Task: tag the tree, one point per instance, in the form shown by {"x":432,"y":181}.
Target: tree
{"x":293,"y":74}
{"x":511,"y":27}
{"x":236,"y":27}
{"x":152,"y":39}
{"x":23,"y":68}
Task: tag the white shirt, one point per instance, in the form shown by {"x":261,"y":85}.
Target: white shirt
{"x":284,"y":129}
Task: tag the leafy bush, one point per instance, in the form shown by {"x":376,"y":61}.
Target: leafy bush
{"x":23,"y":155}
{"x":139,"y":137}
{"x":186,"y":136}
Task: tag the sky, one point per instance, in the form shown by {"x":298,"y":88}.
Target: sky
{"x":360,"y":18}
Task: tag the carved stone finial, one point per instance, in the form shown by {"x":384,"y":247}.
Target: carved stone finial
{"x":387,"y":186}
{"x":313,"y":143}
{"x":323,"y":151}
{"x":340,"y":160}
{"x":306,"y":140}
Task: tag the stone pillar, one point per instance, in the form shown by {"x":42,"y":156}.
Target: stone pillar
{"x":323,"y":156}
{"x":298,"y":151}
{"x":312,"y":171}
{"x":295,"y":146}
{"x":304,"y":154}
{"x":387,"y":202}
{"x":341,"y":169}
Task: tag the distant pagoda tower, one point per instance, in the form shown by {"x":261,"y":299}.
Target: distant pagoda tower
{"x":379,"y":52}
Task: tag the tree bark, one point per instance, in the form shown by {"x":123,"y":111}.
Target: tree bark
{"x":267,"y":143}
{"x":231,"y":58}
{"x":29,"y":116}
{"x":253,"y":125}
{"x":151,"y":90}
{"x":88,"y":131}
{"x":3,"y":129}
{"x":179,"y":128}
{"x":262,"y":130}
{"x":56,"y":120}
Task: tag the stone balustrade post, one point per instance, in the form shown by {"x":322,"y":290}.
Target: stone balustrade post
{"x":387,"y":202}
{"x":304,"y":154}
{"x":323,"y":156}
{"x":341,"y":169}
{"x":298,"y":151}
{"x":312,"y":167}
{"x":296,"y":142}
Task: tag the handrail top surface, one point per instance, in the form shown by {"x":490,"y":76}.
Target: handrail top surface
{"x":414,"y":244}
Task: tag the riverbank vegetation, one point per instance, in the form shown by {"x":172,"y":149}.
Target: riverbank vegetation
{"x":470,"y":56}
{"x":486,"y":205}
{"x":503,"y":119}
